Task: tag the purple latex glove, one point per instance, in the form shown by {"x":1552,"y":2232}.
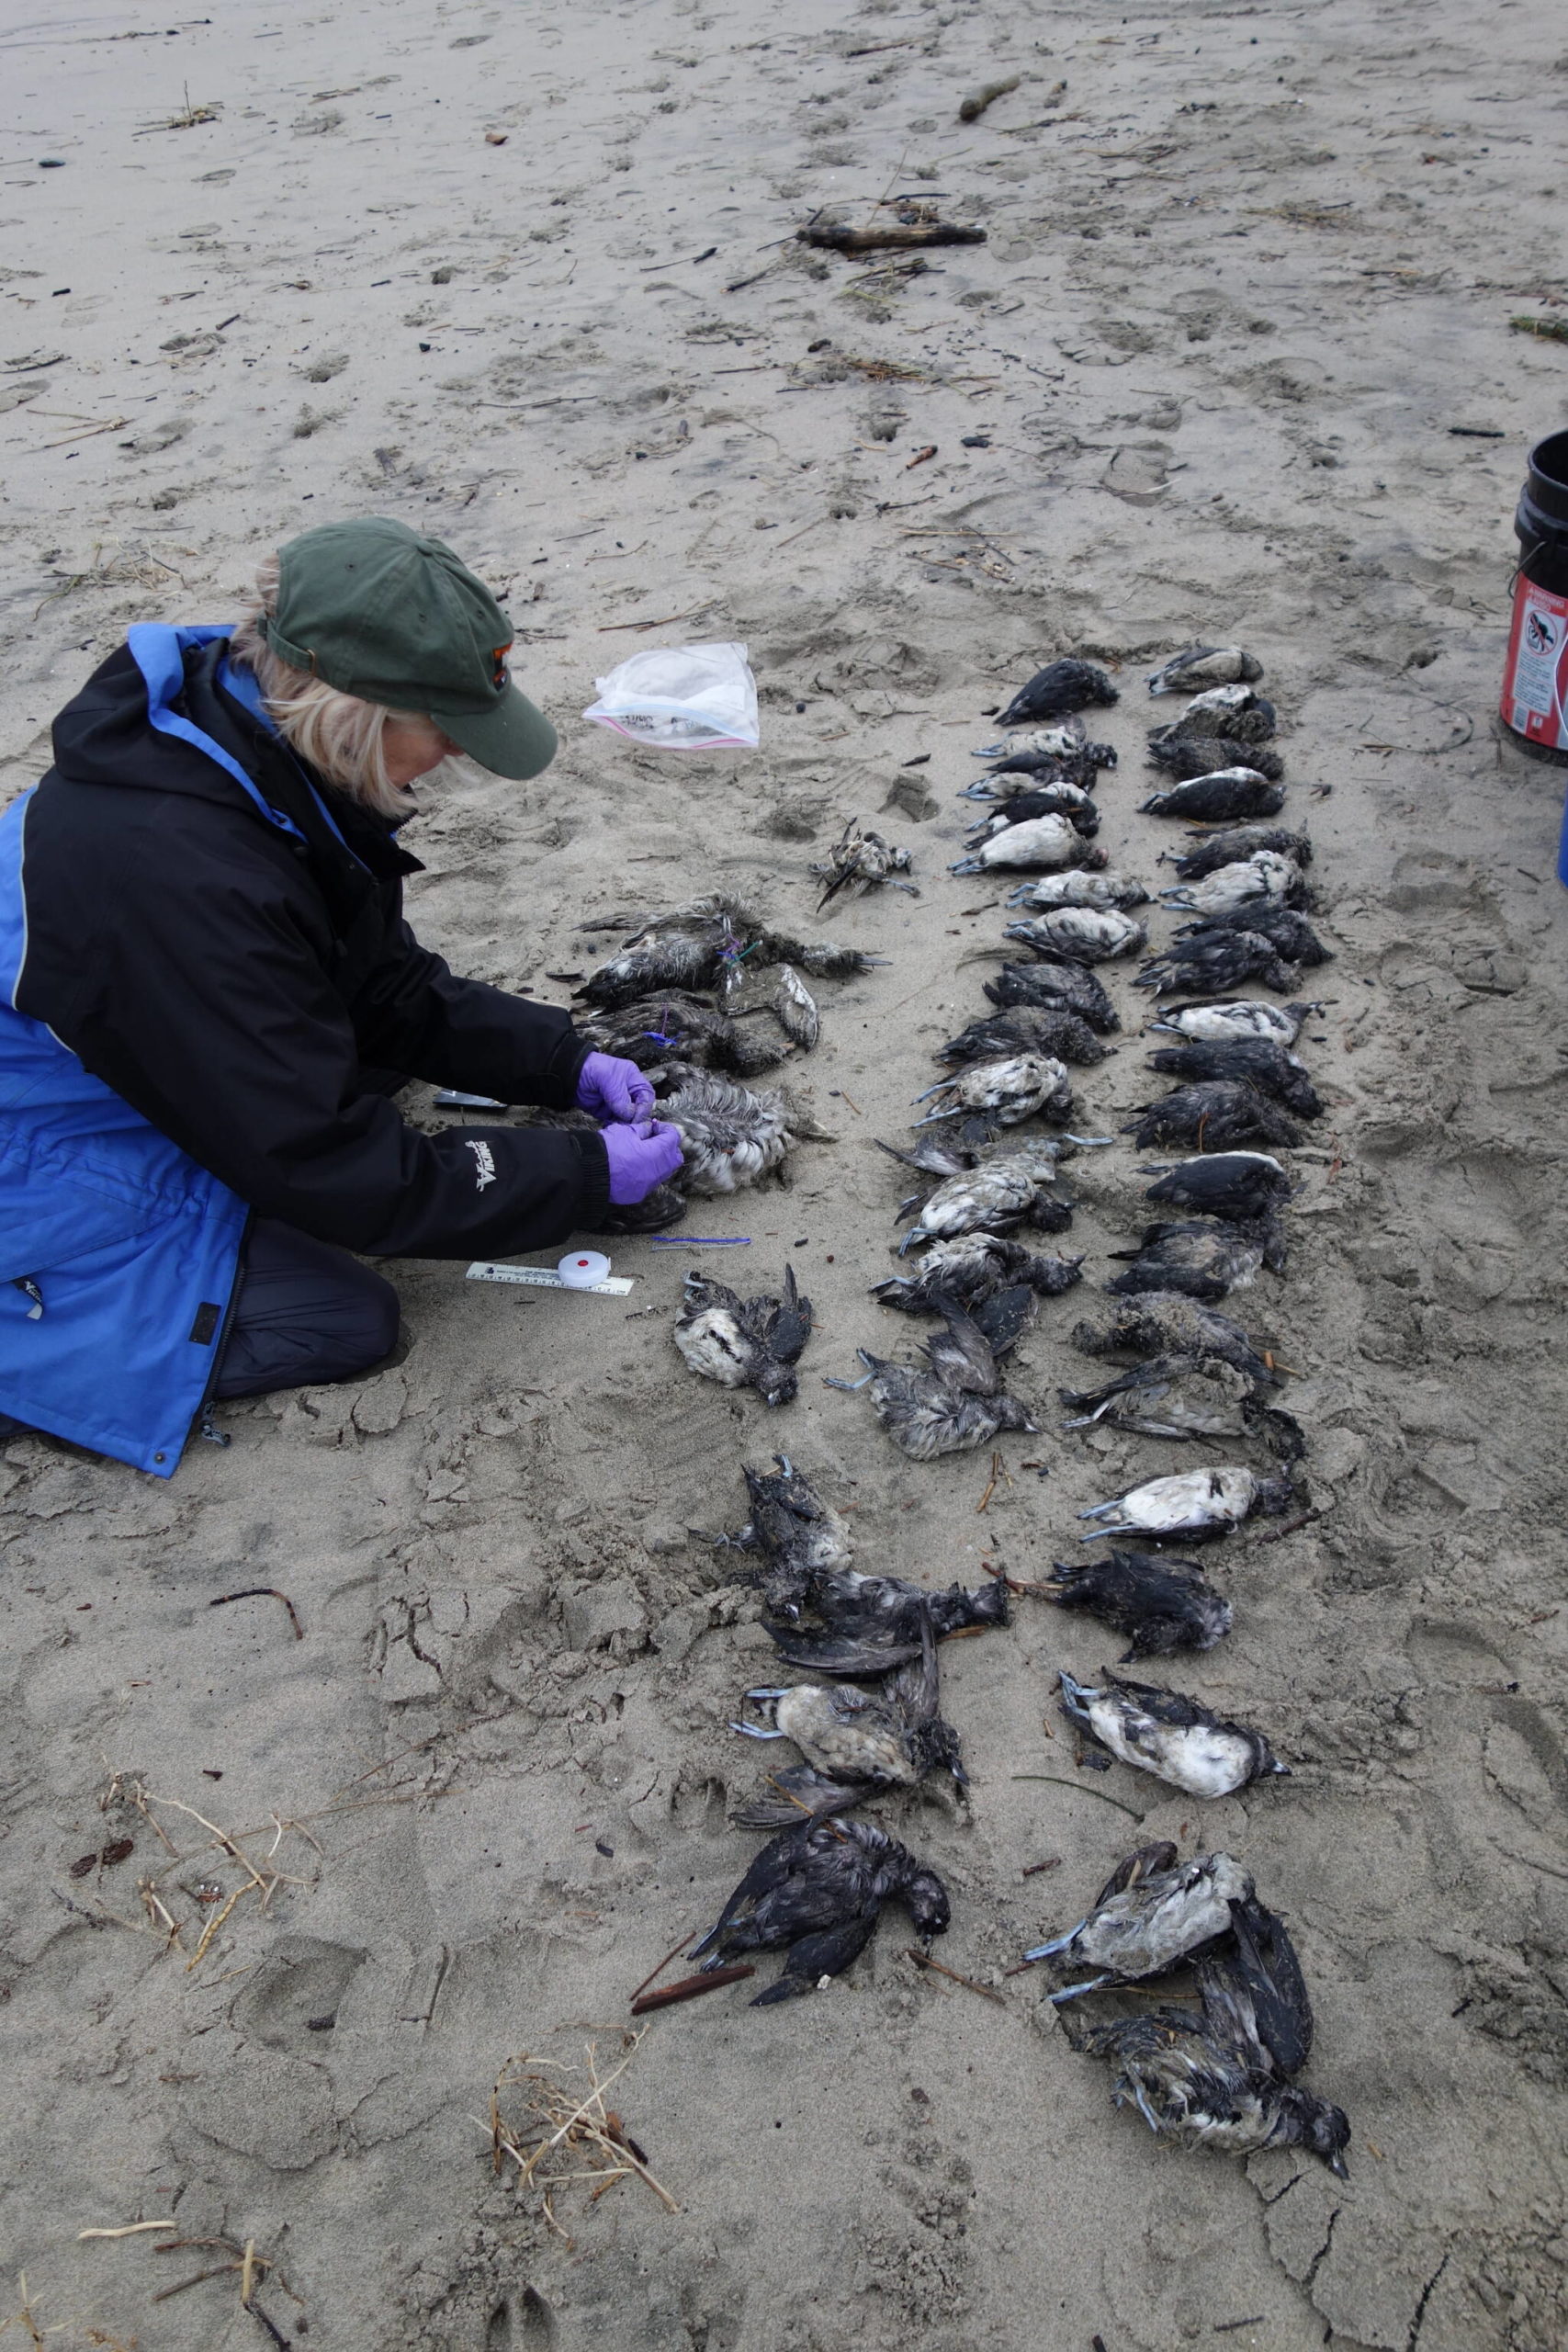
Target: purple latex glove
{"x":613,"y":1089}
{"x":639,"y":1157}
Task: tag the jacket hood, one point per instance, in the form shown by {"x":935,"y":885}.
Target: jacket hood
{"x":130,"y":727}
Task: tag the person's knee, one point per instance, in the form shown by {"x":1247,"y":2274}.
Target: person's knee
{"x":371,"y":1328}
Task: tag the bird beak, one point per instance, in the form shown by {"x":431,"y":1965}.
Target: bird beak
{"x":755,"y":1731}
{"x":1337,"y":2165}
{"x":779,"y":1693}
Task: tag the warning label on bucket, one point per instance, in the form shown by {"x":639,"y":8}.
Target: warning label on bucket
{"x":1535,"y":677}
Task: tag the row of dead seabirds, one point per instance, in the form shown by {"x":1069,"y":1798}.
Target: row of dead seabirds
{"x":1217,"y":2070}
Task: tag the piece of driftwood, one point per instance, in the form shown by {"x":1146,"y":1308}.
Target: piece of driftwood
{"x":896,"y":236}
{"x":975,"y":104}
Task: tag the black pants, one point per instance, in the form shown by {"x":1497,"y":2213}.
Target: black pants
{"x":306,"y":1313}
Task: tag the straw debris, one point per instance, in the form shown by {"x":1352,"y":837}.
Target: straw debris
{"x":556,"y":2131}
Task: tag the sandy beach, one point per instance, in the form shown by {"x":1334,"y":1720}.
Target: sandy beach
{"x":1234,"y":364}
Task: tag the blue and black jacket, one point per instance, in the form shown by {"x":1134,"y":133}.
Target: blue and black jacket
{"x":202,"y":955}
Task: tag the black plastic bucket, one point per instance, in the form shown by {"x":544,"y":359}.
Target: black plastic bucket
{"x":1535,"y":675}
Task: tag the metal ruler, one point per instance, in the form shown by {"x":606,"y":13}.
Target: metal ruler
{"x":484,"y":1270}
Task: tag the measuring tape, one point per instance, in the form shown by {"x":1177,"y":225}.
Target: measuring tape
{"x":484,"y":1270}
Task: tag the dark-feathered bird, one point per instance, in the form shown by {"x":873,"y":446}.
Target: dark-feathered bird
{"x":1288,"y":934}
{"x":1003,"y":1091}
{"x":854,"y":1740}
{"x":801,"y":1538}
{"x":854,"y":1626}
{"x":1184,"y":1396}
{"x":677,"y":1027}
{"x":1201,"y":2078}
{"x":972,"y":1268}
{"x":1160,"y":1605}
{"x":1170,"y":1734}
{"x":1193,"y":1506}
{"x":1042,"y":845}
{"x":1175,"y":1397}
{"x":1243,"y":1187}
{"x":1026,"y":1029}
{"x":1265,"y":1959}
{"x":1060,"y":688}
{"x":1166,"y":1323}
{"x":985,"y":1188}
{"x":1268,"y":877}
{"x":1201,"y":1258}
{"x":1234,"y":791}
{"x":1223,"y":1018}
{"x":860,"y":862}
{"x":1215,"y":1113}
{"x":1057,"y":798}
{"x":1081,"y":935}
{"x":703,"y":946}
{"x":1025,"y":769}
{"x":744,"y":1343}
{"x":1052,"y":982}
{"x":730,"y":1134}
{"x":1062,"y":750}
{"x":1185,"y":755}
{"x":1152,"y":1913}
{"x":1236,"y":842}
{"x":1048,"y":892}
{"x":1201,"y":666}
{"x":1238,"y":711}
{"x":1217,"y":959}
{"x":959,"y":1402}
{"x":818,"y":1890}
{"x":1257,"y":1060}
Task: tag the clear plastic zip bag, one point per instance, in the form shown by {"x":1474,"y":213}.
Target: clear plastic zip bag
{"x":681,"y":698}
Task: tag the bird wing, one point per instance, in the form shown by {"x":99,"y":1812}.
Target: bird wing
{"x":961,"y":1355}
{"x":1005,"y":1314}
{"x":934,"y":1159}
{"x":1230,"y":2020}
{"x":800,"y":1794}
{"x":842,"y":1653}
{"x":702,"y":1293}
{"x":916,"y":1689}
{"x":1174,"y":1707}
{"x":1132,"y":1869}
{"x":1266,"y":1962}
{"x":826,"y":1953}
{"x":788,"y":1326}
{"x":770,"y":1869}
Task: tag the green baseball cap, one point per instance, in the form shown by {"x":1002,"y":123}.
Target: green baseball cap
{"x":381,"y":613}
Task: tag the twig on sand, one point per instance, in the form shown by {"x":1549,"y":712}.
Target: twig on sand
{"x":1084,"y":1788}
{"x":688,"y":1988}
{"x":607,"y":628}
{"x":1291,"y":1527}
{"x":895,"y":235}
{"x":261,"y":1592}
{"x":129,"y":2230}
{"x":664,"y":1963}
{"x":923,"y":1960}
{"x":991,"y":1484}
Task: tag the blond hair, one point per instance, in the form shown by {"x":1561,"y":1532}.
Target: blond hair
{"x":336,"y":734}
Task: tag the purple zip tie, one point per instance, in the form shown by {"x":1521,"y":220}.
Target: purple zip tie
{"x":702,"y":1241}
